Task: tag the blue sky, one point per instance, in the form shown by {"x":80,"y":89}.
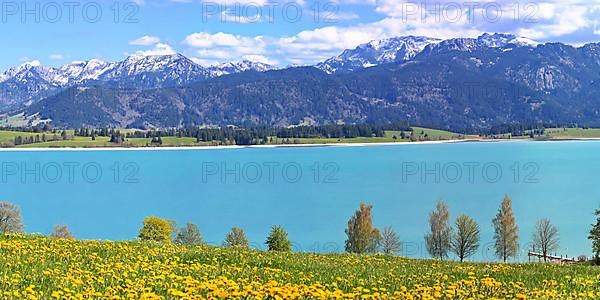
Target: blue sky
{"x":281,"y":32}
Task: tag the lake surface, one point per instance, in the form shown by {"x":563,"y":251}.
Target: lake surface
{"x":312,"y":191}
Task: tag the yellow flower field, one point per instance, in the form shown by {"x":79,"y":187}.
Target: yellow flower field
{"x":34,"y":267}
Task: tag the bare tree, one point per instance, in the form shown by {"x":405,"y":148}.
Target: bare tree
{"x":10,"y":218}
{"x":466,"y":240}
{"x":174,"y":230}
{"x":236,"y":238}
{"x":390,"y":241}
{"x":506,"y":231}
{"x":61,"y":232}
{"x":189,"y":235}
{"x":545,"y":237}
{"x":438,"y":239}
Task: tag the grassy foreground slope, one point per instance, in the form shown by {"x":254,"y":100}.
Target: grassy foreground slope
{"x":40,"y":268}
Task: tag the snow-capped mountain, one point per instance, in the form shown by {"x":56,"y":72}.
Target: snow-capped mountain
{"x":238,"y":67}
{"x":31,"y":81}
{"x":28,"y":71}
{"x":402,"y":49}
{"x":81,"y":71}
{"x":550,"y":83}
{"x":399,"y":49}
{"x":26,"y":83}
{"x":497,"y":40}
{"x":153,"y":72}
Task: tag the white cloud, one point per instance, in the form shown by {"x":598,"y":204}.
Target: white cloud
{"x":533,"y":19}
{"x":206,"y":40}
{"x":241,"y":2}
{"x":360,"y":2}
{"x":30,"y":62}
{"x":232,"y":3}
{"x":56,"y":57}
{"x":311,"y":46}
{"x":556,"y":20}
{"x":261,"y":59}
{"x":24,"y":59}
{"x":230,"y":16}
{"x":543,"y":20}
{"x":146,"y":40}
{"x":342,"y":16}
{"x":158,"y":49}
{"x":223,"y":47}
{"x":204,"y":62}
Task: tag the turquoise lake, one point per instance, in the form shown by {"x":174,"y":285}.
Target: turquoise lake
{"x":311,"y":191}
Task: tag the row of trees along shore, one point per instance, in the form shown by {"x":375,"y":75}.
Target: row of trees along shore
{"x":362,"y":236}
{"x":231,"y":135}
{"x":254,"y":135}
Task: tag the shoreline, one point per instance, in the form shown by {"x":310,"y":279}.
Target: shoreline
{"x":188,"y":148}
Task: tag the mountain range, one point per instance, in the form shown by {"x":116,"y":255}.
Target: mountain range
{"x":463,"y":84}
{"x":31,"y":82}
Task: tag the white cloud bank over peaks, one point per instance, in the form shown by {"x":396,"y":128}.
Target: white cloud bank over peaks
{"x":153,"y":46}
{"x":535,"y":19}
{"x":570,"y":21}
{"x":210,"y":49}
{"x":146,"y":40}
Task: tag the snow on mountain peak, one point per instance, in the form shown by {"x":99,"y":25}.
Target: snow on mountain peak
{"x":397,"y":49}
{"x":33,"y":63}
{"x":26,"y":66}
{"x":174,"y":67}
{"x":498,"y":40}
{"x":405,"y":48}
{"x":80,"y":71}
{"x":28,"y":71}
{"x":523,"y":41}
{"x":238,"y":67}
{"x":181,"y":69}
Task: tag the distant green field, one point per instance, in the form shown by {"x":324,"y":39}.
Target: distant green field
{"x":420,"y":134}
{"x":167,"y":141}
{"x":423,"y":134}
{"x":87,"y":142}
{"x":573,"y":133}
{"x":342,"y":141}
{"x":77,"y":142}
{"x":442,"y":134}
{"x":557,"y":133}
{"x":432,"y":134}
{"x":7,"y":137}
